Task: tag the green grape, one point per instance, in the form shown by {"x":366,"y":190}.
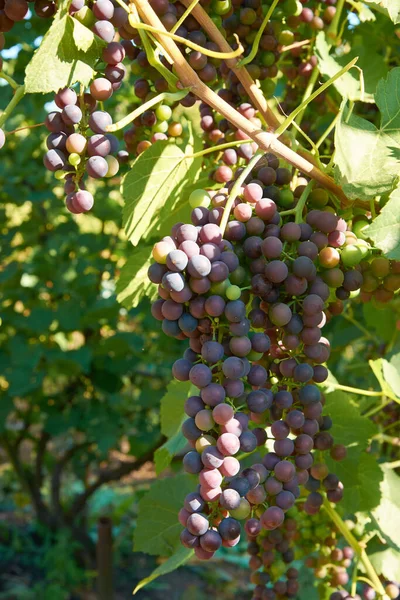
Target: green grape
{"x":351,"y":255}
{"x":286,"y":198}
{"x":319,"y":198}
{"x":204,"y":442}
{"x":199,"y":198}
{"x":160,"y":127}
{"x":243,"y":511}
{"x":222,"y":7}
{"x":268,"y":86}
{"x":267,"y":59}
{"x":286,"y":37}
{"x":113,"y":166}
{"x":59,"y":175}
{"x":220,"y":288}
{"x":85,"y":16}
{"x":238,"y":276}
{"x":359,"y":227}
{"x":74,"y":159}
{"x":254,"y":356}
{"x":163,"y":112}
{"x":233,"y":292}
{"x":292,"y":7}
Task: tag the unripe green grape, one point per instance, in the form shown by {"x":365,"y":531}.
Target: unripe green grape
{"x":238,"y":276}
{"x":199,"y":198}
{"x":160,"y":252}
{"x":59,"y":175}
{"x":243,"y":511}
{"x":204,"y":420}
{"x":364,"y":247}
{"x":359,"y":228}
{"x":220,"y":288}
{"x":163,"y":112}
{"x":254,"y":356}
{"x":248,"y":16}
{"x":286,"y":37}
{"x":233,"y":292}
{"x":267,"y":59}
{"x":286,"y":198}
{"x":85,"y":16}
{"x":160,"y":127}
{"x":222,"y":7}
{"x":204,"y":442}
{"x":351,"y":255}
{"x":292,"y":7}
{"x":113,"y":166}
{"x":319,"y":198}
{"x":268,"y":86}
{"x":74,"y":159}
{"x":216,"y":19}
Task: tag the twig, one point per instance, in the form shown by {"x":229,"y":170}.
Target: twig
{"x":267,"y":141}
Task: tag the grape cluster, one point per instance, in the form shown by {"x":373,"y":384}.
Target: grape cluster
{"x":252,"y":305}
{"x":12,"y":11}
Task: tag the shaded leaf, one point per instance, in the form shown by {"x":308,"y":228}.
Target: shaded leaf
{"x":172,"y":404}
{"x":67,"y":54}
{"x":385,"y":229}
{"x":367,"y":157}
{"x":158,"y":529}
{"x":178,"y":559}
{"x":163,"y":456}
{"x":154,"y":188}
{"x":387,"y":514}
{"x":133,"y":284}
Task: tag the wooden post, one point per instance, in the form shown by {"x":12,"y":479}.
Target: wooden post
{"x":104,"y":559}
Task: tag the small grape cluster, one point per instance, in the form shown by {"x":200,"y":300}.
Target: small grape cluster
{"x":12,"y":11}
{"x":252,"y":306}
{"x":381,"y":279}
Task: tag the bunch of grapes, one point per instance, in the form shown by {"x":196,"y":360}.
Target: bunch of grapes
{"x":12,"y":11}
{"x":252,"y":307}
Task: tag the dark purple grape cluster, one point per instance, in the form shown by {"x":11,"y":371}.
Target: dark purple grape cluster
{"x":12,"y":11}
{"x":252,"y":305}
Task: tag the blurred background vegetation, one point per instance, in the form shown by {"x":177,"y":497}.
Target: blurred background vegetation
{"x":81,"y":380}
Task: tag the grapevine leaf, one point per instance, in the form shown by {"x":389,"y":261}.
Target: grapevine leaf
{"x":172,"y":403}
{"x":390,"y":7}
{"x":133,"y":284}
{"x":349,"y":85}
{"x":67,"y":54}
{"x":349,"y":427}
{"x":377,"y":367}
{"x":361,"y":476}
{"x":385,"y":229}
{"x":387,"y":514}
{"x":387,"y":563}
{"x":158,"y":529}
{"x":367,"y":157}
{"x":175,"y":561}
{"x":384,"y":325}
{"x":155,"y":189}
{"x":163,"y":456}
{"x":391,"y":373}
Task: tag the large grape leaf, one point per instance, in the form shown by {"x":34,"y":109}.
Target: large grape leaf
{"x":172,"y":403}
{"x":367,"y":158}
{"x":387,"y":514}
{"x":359,"y":472}
{"x":390,"y":7}
{"x":157,"y":527}
{"x":67,"y":54}
{"x":384,"y":325}
{"x":384,"y":231}
{"x":175,"y":561}
{"x":133,"y":283}
{"x":154,"y":190}
{"x":349,"y":85}
{"x":386,"y":562}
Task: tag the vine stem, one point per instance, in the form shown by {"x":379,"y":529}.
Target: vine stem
{"x":169,"y":96}
{"x":9,"y":80}
{"x":298,"y":210}
{"x":353,"y":390}
{"x":256,"y":42}
{"x":235,"y":189}
{"x":185,"y":15}
{"x":265,"y":140}
{"x":357,"y":547}
{"x":218,"y":148}
{"x":19,"y":94}
{"x":333,"y":27}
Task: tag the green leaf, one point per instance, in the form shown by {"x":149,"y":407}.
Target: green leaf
{"x":175,"y":561}
{"x":158,"y":529}
{"x":387,"y":514}
{"x":349,"y":427}
{"x":385,"y":325}
{"x":172,"y":404}
{"x":391,"y":7}
{"x":377,"y":367}
{"x":361,"y":476}
{"x":133,"y":284}
{"x":386,"y":563}
{"x":391,"y":373}
{"x":67,"y":54}
{"x":155,"y":188}
{"x":367,"y":157}
{"x":385,"y":229}
{"x":163,"y":456}
{"x":348,"y":85}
